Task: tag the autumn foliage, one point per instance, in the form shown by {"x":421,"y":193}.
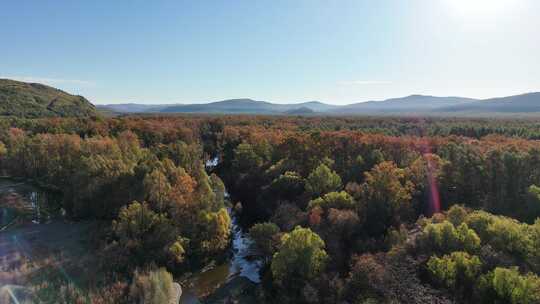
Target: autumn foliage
{"x":340,"y":209}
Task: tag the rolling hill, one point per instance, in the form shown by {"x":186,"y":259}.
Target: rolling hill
{"x":300,"y":111}
{"x":224,"y":106}
{"x":524,"y":103}
{"x":134,"y":107}
{"x":412,"y":103}
{"x":32,"y":100}
{"x":247,"y":106}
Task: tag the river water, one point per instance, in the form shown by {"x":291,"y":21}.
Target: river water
{"x":242,"y":263}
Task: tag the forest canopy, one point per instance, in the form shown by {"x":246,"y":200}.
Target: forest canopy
{"x":340,"y":210}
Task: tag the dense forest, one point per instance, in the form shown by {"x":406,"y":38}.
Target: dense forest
{"x":341,"y":209}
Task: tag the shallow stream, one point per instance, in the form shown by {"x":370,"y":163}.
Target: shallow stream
{"x":242,"y":263}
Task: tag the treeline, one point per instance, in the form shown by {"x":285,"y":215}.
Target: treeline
{"x":152,"y":129}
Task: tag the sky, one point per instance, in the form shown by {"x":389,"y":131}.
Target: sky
{"x":282,"y":51}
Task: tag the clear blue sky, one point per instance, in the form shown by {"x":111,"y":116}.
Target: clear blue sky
{"x":283,"y":51}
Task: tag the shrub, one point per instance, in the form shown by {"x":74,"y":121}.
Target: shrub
{"x":336,"y":200}
{"x":507,"y":285}
{"x":322,"y":180}
{"x":301,"y":258}
{"x":367,"y":277}
{"x":151,"y":286}
{"x":458,"y":269}
{"x":265,"y":237}
{"x":502,"y":233}
{"x":445,"y":238}
{"x":479,"y":221}
{"x":456,"y":215}
{"x":509,"y":235}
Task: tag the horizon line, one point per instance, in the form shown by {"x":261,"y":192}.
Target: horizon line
{"x":308,"y":101}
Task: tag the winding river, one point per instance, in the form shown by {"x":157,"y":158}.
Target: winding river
{"x":240,"y":264}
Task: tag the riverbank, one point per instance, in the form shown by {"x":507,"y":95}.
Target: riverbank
{"x":237,"y":290}
{"x":239,"y":271}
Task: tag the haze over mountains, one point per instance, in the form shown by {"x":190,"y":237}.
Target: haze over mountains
{"x":413,"y":104}
{"x":37,"y":100}
{"x":231,"y":106}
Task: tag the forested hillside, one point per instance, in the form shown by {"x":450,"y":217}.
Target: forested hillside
{"x":340,"y":210}
{"x":33,"y":100}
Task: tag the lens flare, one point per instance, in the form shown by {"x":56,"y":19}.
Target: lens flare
{"x":434,"y":201}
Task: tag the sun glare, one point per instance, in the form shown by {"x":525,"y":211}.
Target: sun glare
{"x":480,"y":7}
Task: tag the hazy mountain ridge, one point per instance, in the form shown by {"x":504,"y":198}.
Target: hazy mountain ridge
{"x":409,"y":103}
{"x":300,"y":111}
{"x":246,"y":105}
{"x":413,"y":104}
{"x":526,"y":103}
{"x":134,"y":107}
{"x":38,"y":100}
{"x":32,"y":100}
{"x":224,"y":106}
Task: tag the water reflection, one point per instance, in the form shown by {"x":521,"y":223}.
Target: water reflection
{"x":243,"y":263}
{"x":22,"y":202}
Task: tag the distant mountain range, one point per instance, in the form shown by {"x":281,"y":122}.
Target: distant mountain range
{"x":31,"y":100}
{"x":524,"y":103}
{"x":230,"y":106}
{"x":412,"y":105}
{"x":37,"y":100}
